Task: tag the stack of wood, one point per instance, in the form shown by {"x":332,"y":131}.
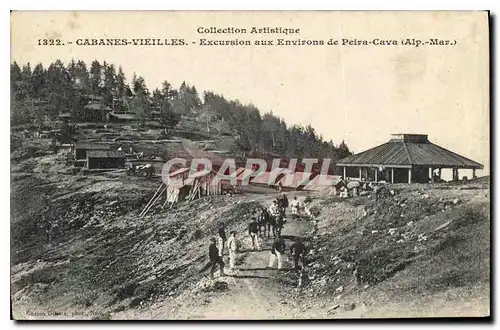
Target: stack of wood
{"x":201,"y":185}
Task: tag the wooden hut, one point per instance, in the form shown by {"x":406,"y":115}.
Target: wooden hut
{"x":176,"y":188}
{"x":122,"y":117}
{"x":203,"y":184}
{"x":105,"y":159}
{"x":96,"y":112}
{"x":81,"y":148}
{"x":182,"y":185}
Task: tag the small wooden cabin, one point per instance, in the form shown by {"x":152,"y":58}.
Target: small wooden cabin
{"x":105,"y":159}
{"x":81,"y":148}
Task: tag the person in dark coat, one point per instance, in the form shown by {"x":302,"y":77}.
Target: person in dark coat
{"x":298,"y":251}
{"x":277,"y":252}
{"x":215,"y":258}
{"x":285,"y":201}
{"x":222,"y":239}
{"x":253,"y":231}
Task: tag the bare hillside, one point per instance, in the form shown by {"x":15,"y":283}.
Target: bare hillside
{"x":79,"y":247}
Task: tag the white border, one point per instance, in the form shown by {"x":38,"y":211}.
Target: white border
{"x":184,"y":5}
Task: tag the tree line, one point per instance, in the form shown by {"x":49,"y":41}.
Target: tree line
{"x":60,"y":88}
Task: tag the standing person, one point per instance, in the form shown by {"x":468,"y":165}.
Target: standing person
{"x":215,"y":259}
{"x":277,"y":251}
{"x":274,"y":209}
{"x":295,"y":205}
{"x":298,"y":251}
{"x":308,"y":199}
{"x":222,"y":238}
{"x":232,"y":246}
{"x":253,"y":231}
{"x":285,"y":201}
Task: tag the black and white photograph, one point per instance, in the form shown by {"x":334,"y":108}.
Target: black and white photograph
{"x":250,"y":165}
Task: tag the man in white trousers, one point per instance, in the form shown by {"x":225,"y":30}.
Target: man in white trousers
{"x":295,"y":205}
{"x":277,"y":252}
{"x":232,"y":246}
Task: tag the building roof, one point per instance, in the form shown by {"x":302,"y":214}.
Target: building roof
{"x":239,"y":171}
{"x":123,"y":116}
{"x":407,"y":150}
{"x":97,"y":106}
{"x":179,"y":171}
{"x":192,"y":177}
{"x":65,"y":115}
{"x":92,"y":146}
{"x":322,"y":181}
{"x":105,"y":154}
{"x":238,"y":175}
{"x":200,"y":174}
{"x":243,"y":175}
{"x":265,"y":177}
{"x":294,"y":180}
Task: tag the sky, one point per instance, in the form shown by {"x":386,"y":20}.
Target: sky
{"x":360,"y":94}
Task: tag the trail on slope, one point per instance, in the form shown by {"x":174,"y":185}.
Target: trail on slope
{"x":255,"y":292}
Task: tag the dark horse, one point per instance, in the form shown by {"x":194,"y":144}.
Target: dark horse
{"x":267,"y":222}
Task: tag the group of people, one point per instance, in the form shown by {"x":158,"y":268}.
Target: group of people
{"x":216,"y":249}
{"x":278,"y":248}
{"x":281,"y":203}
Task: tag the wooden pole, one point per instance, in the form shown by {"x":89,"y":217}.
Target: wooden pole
{"x":360,"y":176}
{"x":151,"y":204}
{"x":345,"y":177}
{"x":152,"y":198}
{"x":473,"y":173}
{"x":376,"y":174}
{"x":409,"y":175}
{"x":392,"y":175}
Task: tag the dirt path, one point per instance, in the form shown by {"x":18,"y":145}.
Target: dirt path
{"x":254,"y":291}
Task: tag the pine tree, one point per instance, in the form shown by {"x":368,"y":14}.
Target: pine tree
{"x":109,"y":83}
{"x":82,"y":79}
{"x":15,"y":72}
{"x":60,"y":88}
{"x":121,"y":83}
{"x":26,"y":72}
{"x":95,"y":78}
{"x":16,"y":81}
{"x":38,"y":82}
{"x":139,"y":86}
{"x":343,"y":150}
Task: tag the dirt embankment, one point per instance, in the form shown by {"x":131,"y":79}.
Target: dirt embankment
{"x":405,"y":247}
{"x":79,"y":244}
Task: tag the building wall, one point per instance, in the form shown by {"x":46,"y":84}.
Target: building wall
{"x":80,"y":153}
{"x":98,"y":163}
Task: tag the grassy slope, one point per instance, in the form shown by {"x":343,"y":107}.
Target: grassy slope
{"x":436,"y":245}
{"x":101,"y":256}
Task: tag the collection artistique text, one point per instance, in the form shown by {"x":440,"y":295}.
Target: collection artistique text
{"x":253,"y":30}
